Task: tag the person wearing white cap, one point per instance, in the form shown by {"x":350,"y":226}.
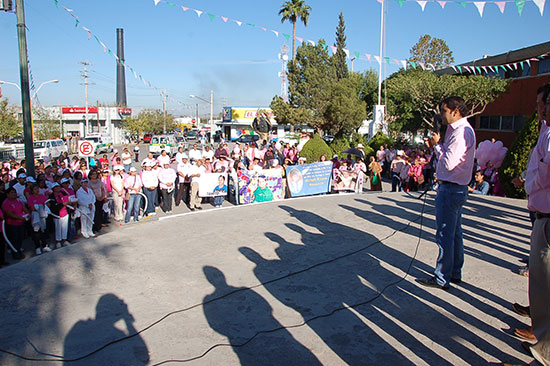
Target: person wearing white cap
{"x":184,"y":181}
{"x":133,"y":185}
{"x":150,"y":181}
{"x":20,"y":187}
{"x":167,"y":178}
{"x":117,"y":184}
{"x":86,"y":204}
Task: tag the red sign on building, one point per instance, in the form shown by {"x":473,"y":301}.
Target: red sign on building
{"x":125,"y":111}
{"x":78,"y":110}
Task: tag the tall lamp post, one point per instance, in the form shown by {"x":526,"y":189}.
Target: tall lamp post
{"x":211,"y":102}
{"x":55,"y":81}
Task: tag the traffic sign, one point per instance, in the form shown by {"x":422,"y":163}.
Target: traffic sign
{"x":85,"y":149}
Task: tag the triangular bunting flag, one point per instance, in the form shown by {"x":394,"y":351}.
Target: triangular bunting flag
{"x":421,"y":65}
{"x":520,"y":4}
{"x":76,"y":23}
{"x":478,"y":69}
{"x":184,"y":8}
{"x":480,"y":6}
{"x":239,"y":23}
{"x":225,"y":19}
{"x":263,"y":28}
{"x":501,"y":5}
{"x":251,"y":25}
{"x":346,"y":52}
{"x":211,"y":16}
{"x":368,"y":56}
{"x":454,"y":68}
{"x":324,"y":45}
{"x":199,"y":12}
{"x":334,"y":49}
{"x":396,"y":61}
{"x":287,"y":36}
{"x":540,"y":4}
{"x":528,"y":62}
{"x":516,"y":65}
{"x":459,"y":69}
{"x":463,"y":3}
{"x":413,"y":64}
{"x":171,"y":4}
{"x":69,"y":10}
{"x":276,"y":33}
{"x":401,"y":2}
{"x":311,"y":42}
{"x":300,"y":39}
{"x":442,"y":3}
{"x":56,"y":3}
{"x":356,"y":53}
{"x":422,"y":4}
{"x":377,"y":58}
{"x":156,"y":2}
{"x":404,"y":63}
{"x":484,"y":68}
{"x":89,"y":32}
{"x":521,"y":65}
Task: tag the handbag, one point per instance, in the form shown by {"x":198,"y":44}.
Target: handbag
{"x":375,"y":179}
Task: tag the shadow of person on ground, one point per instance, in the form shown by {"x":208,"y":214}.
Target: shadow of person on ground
{"x":240,"y":316}
{"x":89,"y":335}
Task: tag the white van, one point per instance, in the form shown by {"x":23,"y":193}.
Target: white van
{"x":103,"y":142}
{"x":50,"y":149}
{"x":163,"y":142}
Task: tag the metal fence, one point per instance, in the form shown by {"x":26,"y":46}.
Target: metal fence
{"x":15,"y":151}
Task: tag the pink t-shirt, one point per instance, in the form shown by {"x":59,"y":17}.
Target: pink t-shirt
{"x":16,"y":207}
{"x":33,"y":200}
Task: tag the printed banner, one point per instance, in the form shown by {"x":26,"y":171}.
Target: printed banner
{"x":209,"y":184}
{"x":345,"y":180}
{"x":308,"y":179}
{"x":260,"y":186}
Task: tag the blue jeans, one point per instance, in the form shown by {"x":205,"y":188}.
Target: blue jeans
{"x":218,"y":200}
{"x":132,"y":208}
{"x":448,"y":213}
{"x":127,"y":168}
{"x":395,"y":183}
{"x":151,"y":199}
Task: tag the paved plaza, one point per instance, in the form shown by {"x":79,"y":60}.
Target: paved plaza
{"x":320,"y":280}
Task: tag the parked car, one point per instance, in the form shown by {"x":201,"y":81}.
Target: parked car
{"x":246,"y":139}
{"x":15,"y":140}
{"x":181,"y":142}
{"x":192,"y":135}
{"x":147,"y":138}
{"x":163,"y":142}
{"x":49,"y":148}
{"x":103,"y":142}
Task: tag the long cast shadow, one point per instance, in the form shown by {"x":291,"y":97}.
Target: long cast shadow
{"x":240,"y":316}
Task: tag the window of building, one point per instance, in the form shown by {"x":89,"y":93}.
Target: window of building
{"x":544,"y":66}
{"x":502,"y":123}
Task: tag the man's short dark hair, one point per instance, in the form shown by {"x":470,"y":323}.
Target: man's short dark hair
{"x":545,"y":90}
{"x":455,"y":103}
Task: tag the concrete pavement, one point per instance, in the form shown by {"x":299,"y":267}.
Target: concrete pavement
{"x":318,"y":280}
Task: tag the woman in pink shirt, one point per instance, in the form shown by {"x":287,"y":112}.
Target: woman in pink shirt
{"x":59,"y":200}
{"x":36,"y":203}
{"x":16,"y":215}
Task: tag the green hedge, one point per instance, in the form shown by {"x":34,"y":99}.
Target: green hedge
{"x":338,"y":145}
{"x":314,"y":148}
{"x":516,"y":159}
{"x":378,"y":140}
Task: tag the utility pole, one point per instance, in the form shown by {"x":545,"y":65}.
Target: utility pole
{"x":25,"y":93}
{"x":85,"y":75}
{"x":164,"y":109}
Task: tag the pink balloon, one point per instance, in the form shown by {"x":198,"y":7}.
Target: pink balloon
{"x":495,"y":152}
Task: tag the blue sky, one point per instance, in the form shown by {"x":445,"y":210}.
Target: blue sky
{"x":187,"y":54}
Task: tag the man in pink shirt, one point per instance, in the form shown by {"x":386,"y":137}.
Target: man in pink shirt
{"x":537,"y":186}
{"x":454,"y":171}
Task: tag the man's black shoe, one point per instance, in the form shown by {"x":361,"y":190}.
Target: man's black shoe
{"x":431,"y":282}
{"x":522,"y":310}
{"x":456,"y":280}
{"x":192,"y":209}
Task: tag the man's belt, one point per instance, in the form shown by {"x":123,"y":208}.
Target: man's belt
{"x":447,"y":182}
{"x":540,"y":215}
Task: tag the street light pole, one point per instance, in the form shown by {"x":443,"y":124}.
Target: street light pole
{"x":41,"y":85}
{"x":25,"y":93}
{"x":10,"y":83}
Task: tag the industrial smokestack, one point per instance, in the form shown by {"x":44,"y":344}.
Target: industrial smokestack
{"x":120,"y":75}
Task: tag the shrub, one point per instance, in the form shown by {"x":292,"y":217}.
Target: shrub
{"x":378,"y":140}
{"x":338,"y":145}
{"x":314,"y":148}
{"x":516,"y":159}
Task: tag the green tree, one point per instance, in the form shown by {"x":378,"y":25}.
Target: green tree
{"x":45,"y":126}
{"x":346,"y":111}
{"x":9,"y":125}
{"x":314,"y":148}
{"x":293,"y":10}
{"x":414,"y":96}
{"x":339,"y":58}
{"x":431,"y":50}
{"x":368,"y":89}
{"x":149,"y":121}
{"x":517,"y":158}
{"x":378,"y":140}
{"x":340,"y":144}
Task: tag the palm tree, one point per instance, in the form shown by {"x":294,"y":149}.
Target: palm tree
{"x":293,"y":10}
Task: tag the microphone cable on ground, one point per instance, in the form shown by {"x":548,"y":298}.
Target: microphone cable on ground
{"x":59,"y":358}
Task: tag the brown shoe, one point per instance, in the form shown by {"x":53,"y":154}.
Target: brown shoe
{"x":522,"y":310}
{"x":525,"y":333}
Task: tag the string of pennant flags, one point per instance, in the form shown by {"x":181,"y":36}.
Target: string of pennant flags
{"x":406,"y":64}
{"x":388,"y":60}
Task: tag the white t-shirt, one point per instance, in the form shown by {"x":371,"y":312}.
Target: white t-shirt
{"x":208,"y":154}
{"x":195,"y":154}
{"x":126,"y":158}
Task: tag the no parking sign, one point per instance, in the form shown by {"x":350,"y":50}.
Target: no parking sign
{"x":85,"y":149}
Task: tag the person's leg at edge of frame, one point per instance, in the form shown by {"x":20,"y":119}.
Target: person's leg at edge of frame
{"x":137,"y":206}
{"x":539,"y":289}
{"x":458,"y":247}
